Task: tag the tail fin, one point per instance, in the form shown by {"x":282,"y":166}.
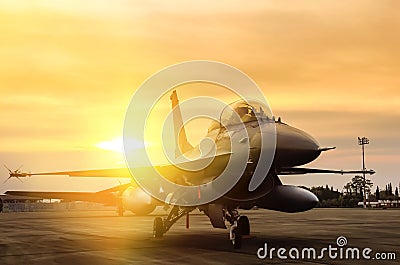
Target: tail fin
{"x":182,"y":144}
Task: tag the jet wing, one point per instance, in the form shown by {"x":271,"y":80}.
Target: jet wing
{"x":174,"y":173}
{"x":105,"y":173}
{"x":108,"y":196}
{"x":300,"y":171}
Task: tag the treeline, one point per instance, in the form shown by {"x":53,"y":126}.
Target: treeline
{"x":329,"y":198}
{"x":352,"y":194}
{"x":387,"y":193}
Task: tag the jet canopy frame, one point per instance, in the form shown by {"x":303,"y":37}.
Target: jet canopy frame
{"x":241,"y":111}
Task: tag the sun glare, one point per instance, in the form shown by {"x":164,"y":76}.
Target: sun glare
{"x":115,"y":145}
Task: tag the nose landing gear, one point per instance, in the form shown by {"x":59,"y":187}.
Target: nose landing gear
{"x":161,"y":226}
{"x":158,"y":227}
{"x":240,"y":226}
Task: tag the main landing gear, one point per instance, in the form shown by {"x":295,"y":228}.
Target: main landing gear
{"x":162,"y":225}
{"x":240,"y":226}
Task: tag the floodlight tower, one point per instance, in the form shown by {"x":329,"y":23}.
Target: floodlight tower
{"x":363,"y":141}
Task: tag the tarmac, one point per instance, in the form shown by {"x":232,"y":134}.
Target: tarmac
{"x":101,"y":237}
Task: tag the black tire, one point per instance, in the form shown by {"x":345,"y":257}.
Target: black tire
{"x":244,"y":225}
{"x":237,"y":238}
{"x":158,"y":227}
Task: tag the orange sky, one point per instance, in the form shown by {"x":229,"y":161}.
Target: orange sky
{"x":68,"y":70}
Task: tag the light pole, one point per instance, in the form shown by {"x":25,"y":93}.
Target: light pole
{"x":363,"y":141}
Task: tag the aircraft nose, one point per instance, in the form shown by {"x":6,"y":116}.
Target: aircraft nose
{"x":298,"y":139}
{"x":295,"y":147}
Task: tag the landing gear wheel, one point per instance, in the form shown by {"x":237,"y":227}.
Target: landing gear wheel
{"x":237,"y":238}
{"x":244,"y":225}
{"x":158,"y":227}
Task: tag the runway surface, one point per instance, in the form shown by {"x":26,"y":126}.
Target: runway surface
{"x":104,"y":238}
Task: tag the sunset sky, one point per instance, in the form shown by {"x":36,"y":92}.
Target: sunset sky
{"x":69,"y":68}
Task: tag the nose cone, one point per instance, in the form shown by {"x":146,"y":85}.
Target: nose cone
{"x":292,"y":138}
{"x":294,"y":147}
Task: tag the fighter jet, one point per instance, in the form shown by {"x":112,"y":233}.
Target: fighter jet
{"x":293,"y":148}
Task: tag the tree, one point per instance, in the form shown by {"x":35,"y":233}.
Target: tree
{"x":347,"y":187}
{"x":377,"y":193}
{"x":396,"y":193}
{"x":356,"y":186}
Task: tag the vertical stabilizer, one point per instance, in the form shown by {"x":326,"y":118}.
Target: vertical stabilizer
{"x":182,"y":144}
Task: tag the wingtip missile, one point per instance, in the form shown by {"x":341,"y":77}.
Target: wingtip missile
{"x":16,"y":174}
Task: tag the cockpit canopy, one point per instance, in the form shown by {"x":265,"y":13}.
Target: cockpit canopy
{"x":241,"y":112}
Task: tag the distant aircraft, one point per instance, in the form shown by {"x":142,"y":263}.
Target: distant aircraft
{"x":293,"y":148}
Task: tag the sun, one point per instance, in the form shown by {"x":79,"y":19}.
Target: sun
{"x":115,"y":145}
